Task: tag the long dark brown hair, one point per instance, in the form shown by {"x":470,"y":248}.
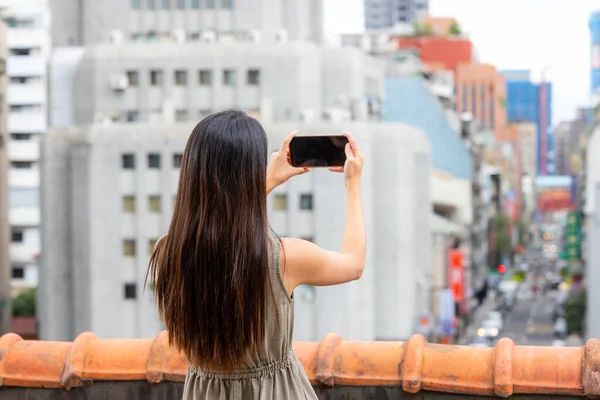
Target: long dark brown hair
{"x":210,"y":273}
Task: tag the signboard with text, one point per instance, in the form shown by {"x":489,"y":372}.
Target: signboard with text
{"x":456,"y":274}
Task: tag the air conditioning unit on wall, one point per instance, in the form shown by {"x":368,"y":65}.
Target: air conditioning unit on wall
{"x":119,"y":83}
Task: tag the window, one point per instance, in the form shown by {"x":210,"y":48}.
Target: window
{"x":306,"y":201}
{"x":133,"y":78}
{"x":153,"y":160}
{"x":205,"y":112}
{"x":21,"y":136}
{"x":227,"y":3}
{"x":21,"y":164}
{"x":181,"y":78}
{"x":229,"y":76}
{"x":154,"y":204}
{"x":151,"y":244}
{"x":280,"y":202}
{"x":181,"y":115}
{"x":129,"y":248}
{"x":210,"y":4}
{"x":177,"y":158}
{"x":130,"y":291}
{"x":18,"y":273}
{"x":253,"y":77}
{"x":205,"y":77}
{"x":132,"y":116}
{"x":196,"y":4}
{"x":151,"y":5}
{"x":128,"y":161}
{"x":135,"y":4}
{"x":181,"y":4}
{"x":166,"y":4}
{"x":17,"y":235}
{"x":156,"y":78}
{"x":129,"y":204}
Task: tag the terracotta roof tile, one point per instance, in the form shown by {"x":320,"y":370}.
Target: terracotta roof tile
{"x":414,"y":365}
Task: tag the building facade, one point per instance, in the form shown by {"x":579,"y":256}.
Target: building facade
{"x":187,"y":81}
{"x":567,"y":137}
{"x":524,"y":100}
{"x":595,"y":55}
{"x":28,"y":44}
{"x":86,"y":22}
{"x":121,"y":180}
{"x":385,"y":14}
{"x":440,"y":52}
{"x":5,"y":230}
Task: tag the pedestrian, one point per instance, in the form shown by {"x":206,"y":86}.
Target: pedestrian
{"x":224,"y":282}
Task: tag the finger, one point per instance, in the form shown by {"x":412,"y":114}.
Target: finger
{"x":353,"y":144}
{"x":336,"y":169}
{"x":300,"y":171}
{"x":348,"y":150}
{"x":285,"y":146}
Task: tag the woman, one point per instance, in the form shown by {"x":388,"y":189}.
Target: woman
{"x":223,"y":283}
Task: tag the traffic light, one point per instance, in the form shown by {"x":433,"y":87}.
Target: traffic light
{"x":501,"y":269}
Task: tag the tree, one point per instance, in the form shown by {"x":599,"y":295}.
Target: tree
{"x":455,"y":29}
{"x":423,"y":29}
{"x":24,"y":304}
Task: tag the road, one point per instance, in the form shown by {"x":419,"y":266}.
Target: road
{"x":528,"y":324}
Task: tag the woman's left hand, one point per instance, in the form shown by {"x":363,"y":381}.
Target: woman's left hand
{"x":280,"y":169}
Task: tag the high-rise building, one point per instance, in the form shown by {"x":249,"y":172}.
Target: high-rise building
{"x":85,"y":22}
{"x":5,"y":269}
{"x":28,"y":42}
{"x":595,"y":55}
{"x":480,"y":90}
{"x":524,"y":99}
{"x":567,"y":138}
{"x":385,"y":14}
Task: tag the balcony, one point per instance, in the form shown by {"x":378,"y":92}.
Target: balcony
{"x":150,"y":369}
{"x":26,"y":216}
{"x":27,"y":122}
{"x":23,"y":253}
{"x":26,"y":66}
{"x":23,"y":38}
{"x":24,"y":150}
{"x":24,"y":178}
{"x":26,"y":94}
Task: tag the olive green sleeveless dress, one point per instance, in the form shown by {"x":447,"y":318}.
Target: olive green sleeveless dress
{"x":272,"y":372}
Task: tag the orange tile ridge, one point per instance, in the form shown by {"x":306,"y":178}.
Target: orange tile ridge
{"x":415,"y":365}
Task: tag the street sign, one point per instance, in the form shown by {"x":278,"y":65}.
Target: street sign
{"x":573,"y":233}
{"x":455,"y":274}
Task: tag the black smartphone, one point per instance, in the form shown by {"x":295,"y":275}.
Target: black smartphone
{"x":318,"y":151}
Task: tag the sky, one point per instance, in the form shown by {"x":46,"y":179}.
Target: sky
{"x":512,"y":34}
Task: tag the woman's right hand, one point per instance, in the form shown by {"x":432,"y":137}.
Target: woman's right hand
{"x":352,"y":168}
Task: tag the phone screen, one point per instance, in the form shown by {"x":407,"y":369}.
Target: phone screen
{"x":318,"y":151}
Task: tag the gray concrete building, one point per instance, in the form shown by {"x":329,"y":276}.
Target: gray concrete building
{"x":382,"y":14}
{"x":108,"y":193}
{"x":5,"y":231}
{"x":151,"y":82}
{"x":85,"y":22}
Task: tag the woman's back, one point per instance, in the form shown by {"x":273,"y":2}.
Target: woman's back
{"x":272,"y":371}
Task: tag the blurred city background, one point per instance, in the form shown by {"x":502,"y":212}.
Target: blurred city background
{"x":478,"y":123}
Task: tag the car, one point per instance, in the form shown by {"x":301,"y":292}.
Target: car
{"x":495,"y":317}
{"x":489,"y":329}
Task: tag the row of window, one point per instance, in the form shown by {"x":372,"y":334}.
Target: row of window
{"x":204,"y":77}
{"x":153,"y":160}
{"x":154,"y":204}
{"x":130,"y":249}
{"x":280,"y":202}
{"x":181,"y":4}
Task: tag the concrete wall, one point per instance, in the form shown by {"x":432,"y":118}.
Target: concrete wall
{"x":78,"y":23}
{"x":83,"y":237}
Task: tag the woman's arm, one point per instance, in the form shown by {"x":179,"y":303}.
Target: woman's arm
{"x":307,"y":263}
